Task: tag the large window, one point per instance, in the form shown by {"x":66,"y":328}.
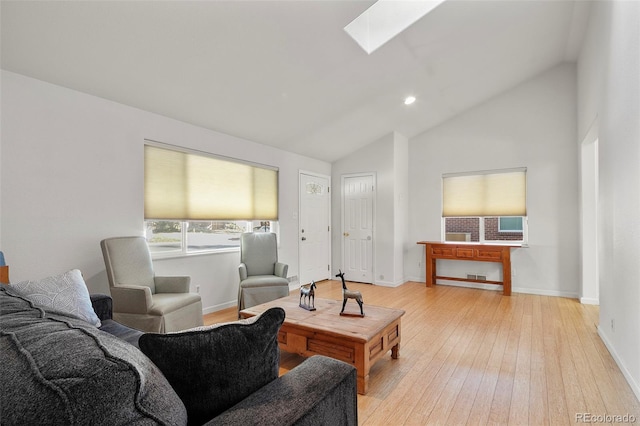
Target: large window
{"x":197,"y":202}
{"x":485,"y":206}
{"x":172,"y":236}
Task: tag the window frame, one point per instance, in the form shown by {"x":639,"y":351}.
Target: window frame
{"x":183,"y":250}
{"x":202,"y":185}
{"x":482,"y":195}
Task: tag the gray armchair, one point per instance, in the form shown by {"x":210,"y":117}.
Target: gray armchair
{"x":262,"y":277}
{"x":140,"y":299}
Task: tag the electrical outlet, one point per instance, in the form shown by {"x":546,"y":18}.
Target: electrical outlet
{"x":513,"y":272}
{"x":613,"y":325}
{"x":197,"y":289}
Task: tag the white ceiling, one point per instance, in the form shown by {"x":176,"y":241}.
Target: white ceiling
{"x":285,"y":73}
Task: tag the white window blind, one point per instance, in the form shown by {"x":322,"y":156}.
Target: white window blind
{"x":492,"y":193}
{"x":181,"y":185}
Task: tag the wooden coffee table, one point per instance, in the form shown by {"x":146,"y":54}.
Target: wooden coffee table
{"x":360,"y":341}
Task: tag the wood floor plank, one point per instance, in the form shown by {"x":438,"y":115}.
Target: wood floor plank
{"x":538,"y":407}
{"x":463,"y":406}
{"x":477,"y":326}
{"x":435,"y":345}
{"x":473,"y":357}
{"x":605,"y":385}
{"x":519,"y":407}
{"x":555,"y":396}
{"x":484,"y":397}
{"x":457,"y":345}
{"x":586,"y":380}
{"x":501,"y":404}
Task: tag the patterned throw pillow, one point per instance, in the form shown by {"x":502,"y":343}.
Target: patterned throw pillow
{"x":65,"y":293}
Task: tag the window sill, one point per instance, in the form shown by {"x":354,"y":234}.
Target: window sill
{"x":489,"y":243}
{"x":178,"y":255}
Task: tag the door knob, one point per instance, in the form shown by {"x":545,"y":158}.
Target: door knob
{"x":346,"y":234}
{"x":304,"y":238}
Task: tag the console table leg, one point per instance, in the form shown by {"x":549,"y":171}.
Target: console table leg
{"x":430,"y":271}
{"x":506,"y":272}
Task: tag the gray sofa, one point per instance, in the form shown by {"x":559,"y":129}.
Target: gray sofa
{"x":59,"y":369}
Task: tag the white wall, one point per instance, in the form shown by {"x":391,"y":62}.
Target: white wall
{"x":382,"y":157}
{"x":609,"y":94}
{"x":72,"y":174}
{"x":531,"y":125}
{"x":401,"y":205}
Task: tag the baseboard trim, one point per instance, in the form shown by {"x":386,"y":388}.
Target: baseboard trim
{"x":219,"y":307}
{"x":539,"y":292}
{"x":589,"y":301}
{"x":524,"y":290}
{"x":635,"y":387}
{"x":388,"y":283}
{"x":479,"y":286}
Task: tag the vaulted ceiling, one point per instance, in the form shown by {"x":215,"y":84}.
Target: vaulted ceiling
{"x":285,"y":73}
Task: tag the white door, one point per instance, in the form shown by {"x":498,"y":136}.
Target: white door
{"x":314,"y":228}
{"x":357,"y":227}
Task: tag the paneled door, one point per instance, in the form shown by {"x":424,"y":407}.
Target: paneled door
{"x":357,"y":233}
{"x":314,"y":231}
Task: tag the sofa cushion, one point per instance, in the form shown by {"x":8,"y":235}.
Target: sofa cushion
{"x":65,"y":292}
{"x":211,"y":368}
{"x":57,"y":369}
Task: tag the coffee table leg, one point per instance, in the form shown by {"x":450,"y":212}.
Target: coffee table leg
{"x":395,"y":351}
{"x":363,"y":384}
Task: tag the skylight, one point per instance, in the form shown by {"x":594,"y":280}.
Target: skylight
{"x":385,"y":19}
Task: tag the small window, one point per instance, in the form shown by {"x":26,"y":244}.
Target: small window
{"x":510,"y":224}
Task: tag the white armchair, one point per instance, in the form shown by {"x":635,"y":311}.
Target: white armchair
{"x":262,"y":277}
{"x":140,"y":299}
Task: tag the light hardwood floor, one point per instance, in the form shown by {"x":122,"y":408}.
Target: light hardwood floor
{"x":473,"y":357}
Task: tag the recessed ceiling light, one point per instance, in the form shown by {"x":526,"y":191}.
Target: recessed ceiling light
{"x":385,"y":19}
{"x":409,"y":100}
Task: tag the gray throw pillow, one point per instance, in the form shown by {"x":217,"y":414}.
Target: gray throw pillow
{"x":66,"y":293}
{"x":214,"y":368}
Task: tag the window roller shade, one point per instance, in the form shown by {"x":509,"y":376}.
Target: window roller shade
{"x":498,"y":193}
{"x":186,"y":186}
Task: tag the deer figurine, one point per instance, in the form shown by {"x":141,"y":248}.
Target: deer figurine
{"x":349,"y":294}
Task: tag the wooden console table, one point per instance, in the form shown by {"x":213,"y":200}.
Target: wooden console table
{"x":474,"y":252}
